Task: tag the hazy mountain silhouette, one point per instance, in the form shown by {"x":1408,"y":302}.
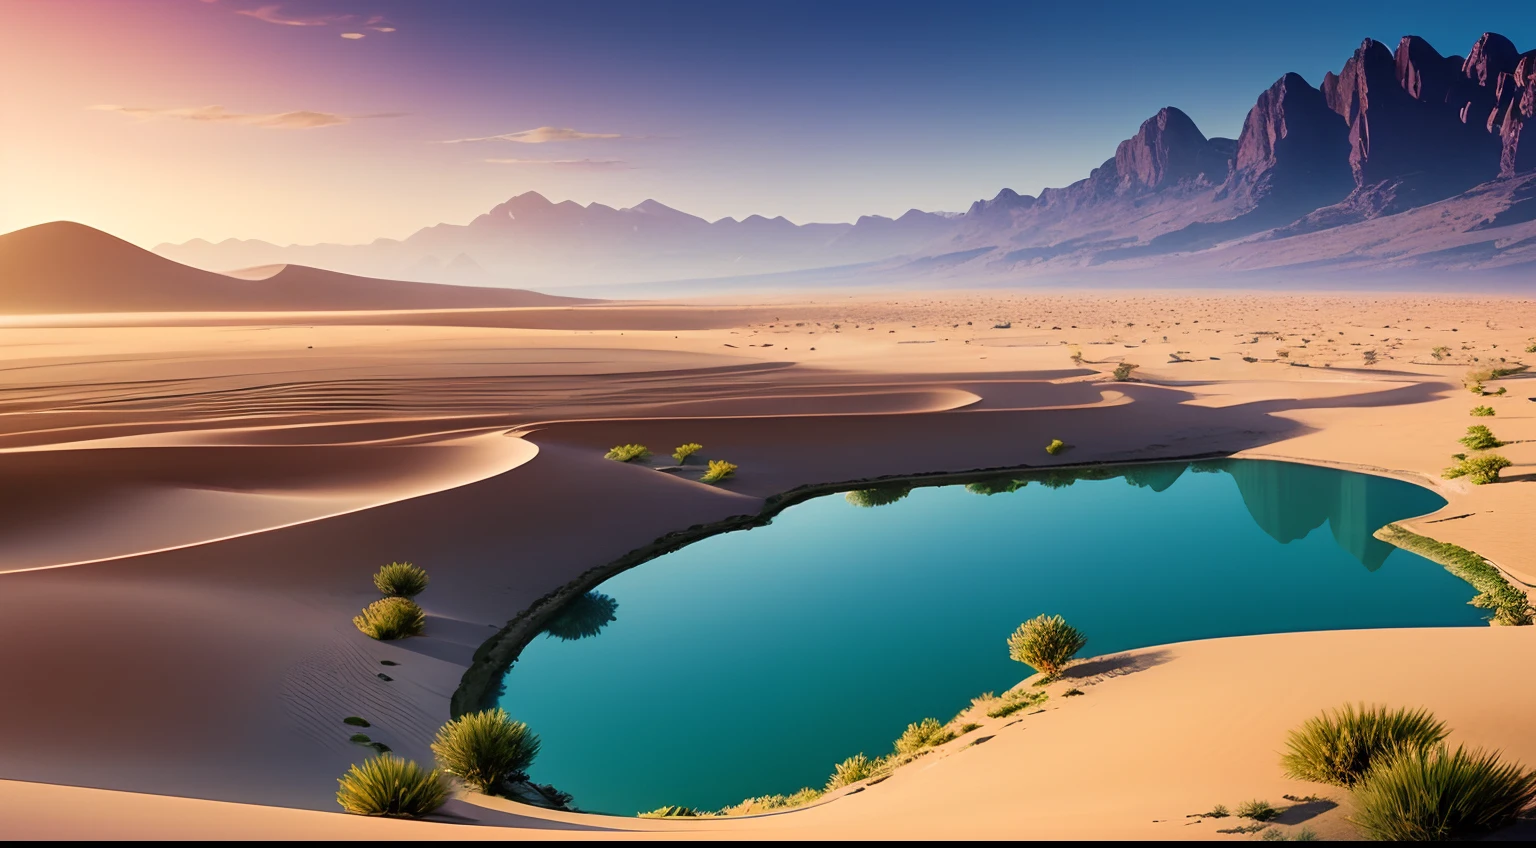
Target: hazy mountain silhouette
{"x":1321,"y":178}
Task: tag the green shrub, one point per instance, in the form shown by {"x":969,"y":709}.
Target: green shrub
{"x":1339,"y":747}
{"x":1511,"y":605}
{"x":1257,"y":810}
{"x":1481,"y":470}
{"x":684,"y":451}
{"x":387,"y":785}
{"x":852,"y":770}
{"x":1019,"y":699}
{"x":924,"y":734}
{"x":671,"y":812}
{"x":1123,"y":371}
{"x":1482,"y":412}
{"x":1479,"y":437}
{"x":1434,"y":794}
{"x":878,"y":496}
{"x":1440,"y":352}
{"x":1219,"y":811}
{"x":628,"y":453}
{"x":719,"y":469}
{"x":1046,"y":643}
{"x":1055,"y":447}
{"x":391,"y":618}
{"x":401,"y":580}
{"x":356,"y":721}
{"x":484,"y":750}
{"x":1530,"y":348}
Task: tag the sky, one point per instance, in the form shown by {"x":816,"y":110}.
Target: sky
{"x":347,"y":120}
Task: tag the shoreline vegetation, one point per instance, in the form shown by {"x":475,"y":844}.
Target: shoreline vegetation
{"x":482,"y":683}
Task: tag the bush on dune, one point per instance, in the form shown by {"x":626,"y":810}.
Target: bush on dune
{"x":719,"y":469}
{"x":1055,"y":447}
{"x":851,"y":770}
{"x":1435,"y":794}
{"x":1046,"y":643}
{"x":401,"y":580}
{"x":484,"y":750}
{"x":1340,"y":746}
{"x":1479,"y":437}
{"x":628,"y":453}
{"x":387,"y":785}
{"x":391,"y":618}
{"x":1018,"y":699}
{"x":1480,"y":470}
{"x":1482,"y":411}
{"x":1123,"y":371}
{"x":684,"y":451}
{"x":923,"y":734}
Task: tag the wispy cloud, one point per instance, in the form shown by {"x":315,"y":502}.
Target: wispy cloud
{"x":540,"y":135}
{"x":273,"y":13}
{"x":299,"y":120}
{"x":573,"y":164}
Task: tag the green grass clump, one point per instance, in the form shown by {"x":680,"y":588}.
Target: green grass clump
{"x":1339,"y":747}
{"x":1123,"y":371}
{"x":1046,"y":643}
{"x":391,"y":618}
{"x":1530,"y":348}
{"x":1257,"y":810}
{"x":878,"y":496}
{"x":1479,"y":437}
{"x":484,"y":750}
{"x":1055,"y":447}
{"x":1480,"y":470}
{"x":387,"y":785}
{"x":1440,"y":352}
{"x":1510,"y":605}
{"x":1219,"y":811}
{"x":719,"y":469}
{"x":356,"y":721}
{"x":1435,"y":794}
{"x":1482,"y":412}
{"x":401,"y":580}
{"x":628,"y":453}
{"x":852,"y":770}
{"x":684,"y":451}
{"x":1019,"y":699}
{"x":671,"y":811}
{"x":923,"y":734}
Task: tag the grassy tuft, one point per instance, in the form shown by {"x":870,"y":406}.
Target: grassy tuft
{"x":391,"y":618}
{"x":1123,"y":372}
{"x":684,"y":451}
{"x":1046,"y":643}
{"x":852,"y":770}
{"x":1479,"y":437}
{"x":1055,"y":447}
{"x":1018,"y":699}
{"x":1339,"y":747}
{"x":484,"y":750}
{"x":1510,"y":604}
{"x":1435,"y":794}
{"x":628,"y":453}
{"x":671,"y":811}
{"x":927,"y":733}
{"x":387,"y":785}
{"x":1483,"y":412}
{"x":1261,"y":811}
{"x":401,"y":580}
{"x":719,"y":469}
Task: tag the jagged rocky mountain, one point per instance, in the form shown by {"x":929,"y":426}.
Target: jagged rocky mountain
{"x":1320,"y":178}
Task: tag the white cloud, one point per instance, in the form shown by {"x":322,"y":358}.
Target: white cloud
{"x":298,"y":120}
{"x":539,"y":135}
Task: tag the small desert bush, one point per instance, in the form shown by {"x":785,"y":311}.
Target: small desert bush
{"x":1482,"y":412}
{"x":1340,"y":746}
{"x":486,"y":749}
{"x":719,"y":469}
{"x":1019,"y":699}
{"x":1480,"y":470}
{"x":387,"y":785}
{"x":852,"y":770}
{"x":391,"y":618}
{"x":924,"y":734}
{"x":628,"y":453}
{"x":1435,"y":794}
{"x":1046,"y":643}
{"x":1479,"y":437}
{"x":684,"y":451}
{"x":401,"y":580}
{"x":1123,"y":371}
{"x":1055,"y":447}
{"x":1530,"y":348}
{"x":671,"y":811}
{"x":1440,"y":352}
{"x":1257,"y":810}
{"x":1219,"y":811}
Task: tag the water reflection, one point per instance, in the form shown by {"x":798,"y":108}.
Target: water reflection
{"x":1286,"y":500}
{"x":584,"y":616}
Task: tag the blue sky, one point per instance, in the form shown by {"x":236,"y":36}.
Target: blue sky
{"x":814,"y":110}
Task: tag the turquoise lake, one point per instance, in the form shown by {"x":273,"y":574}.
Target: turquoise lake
{"x":750,"y":662}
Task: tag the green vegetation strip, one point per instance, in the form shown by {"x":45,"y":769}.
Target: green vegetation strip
{"x":1510,"y":605}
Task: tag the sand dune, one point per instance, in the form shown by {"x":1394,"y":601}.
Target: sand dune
{"x":219,"y":670}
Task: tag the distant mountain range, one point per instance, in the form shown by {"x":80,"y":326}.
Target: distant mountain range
{"x":1404,"y":162}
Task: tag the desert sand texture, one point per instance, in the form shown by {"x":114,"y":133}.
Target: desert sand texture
{"x":195,"y":501}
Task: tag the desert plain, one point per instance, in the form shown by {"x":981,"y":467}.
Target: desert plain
{"x":195,"y":500}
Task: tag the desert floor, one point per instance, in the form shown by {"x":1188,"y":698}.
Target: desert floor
{"x":194,"y":504}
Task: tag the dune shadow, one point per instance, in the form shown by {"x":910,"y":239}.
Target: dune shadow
{"x":1119,"y":665}
{"x":1305,"y":810}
